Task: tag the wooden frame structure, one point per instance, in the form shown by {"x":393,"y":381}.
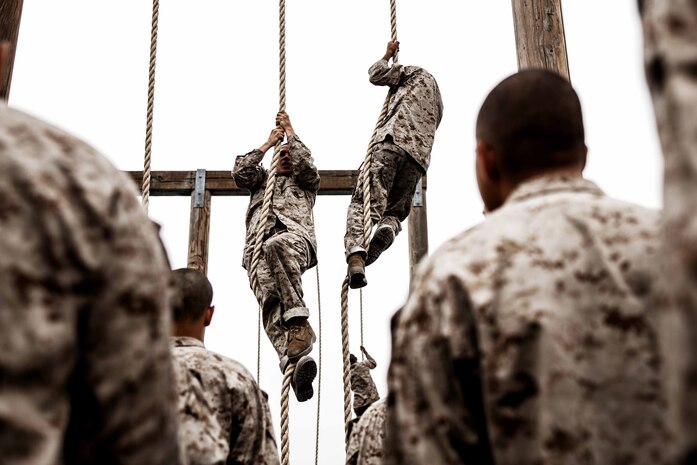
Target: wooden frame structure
{"x":540,"y":43}
{"x":201,"y":185}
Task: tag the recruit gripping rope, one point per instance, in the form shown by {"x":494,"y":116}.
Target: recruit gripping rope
{"x":151,"y":105}
{"x":364,"y":184}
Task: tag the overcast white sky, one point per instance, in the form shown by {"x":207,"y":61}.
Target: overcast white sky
{"x":83,"y":65}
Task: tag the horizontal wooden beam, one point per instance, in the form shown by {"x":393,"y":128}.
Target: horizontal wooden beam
{"x":173,"y":183}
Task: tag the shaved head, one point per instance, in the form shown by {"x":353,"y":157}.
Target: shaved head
{"x":193,"y":294}
{"x":532,"y":120}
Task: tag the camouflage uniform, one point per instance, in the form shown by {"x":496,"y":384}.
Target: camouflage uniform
{"x":289,"y":247}
{"x":670,"y":48}
{"x":532,"y":338}
{"x":85,"y":369}
{"x":224,"y":416}
{"x":367,"y":437}
{"x":401,"y":152}
{"x":362,"y":384}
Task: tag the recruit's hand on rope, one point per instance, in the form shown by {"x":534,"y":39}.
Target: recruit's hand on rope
{"x":392,"y":50}
{"x":276,"y":136}
{"x":283,"y":121}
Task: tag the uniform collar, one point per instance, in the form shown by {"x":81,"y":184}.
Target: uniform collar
{"x":552,"y":184}
{"x":180,"y":341}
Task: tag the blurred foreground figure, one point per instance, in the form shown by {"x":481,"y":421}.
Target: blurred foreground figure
{"x":532,"y":338}
{"x":224,"y":416}
{"x":85,"y":370}
{"x":671,"y":61}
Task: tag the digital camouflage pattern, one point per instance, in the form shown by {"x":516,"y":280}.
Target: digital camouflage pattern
{"x":533,"y":338}
{"x":293,"y":196}
{"x":364,"y":390}
{"x":85,"y":369}
{"x":368,"y":437}
{"x":224,"y":416}
{"x":284,"y":258}
{"x":393,"y":179}
{"x":414,"y":110}
{"x":290,"y":246}
{"x":670,"y":53}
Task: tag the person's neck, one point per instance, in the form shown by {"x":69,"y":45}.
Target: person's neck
{"x":509,"y":185}
{"x":194,"y":330}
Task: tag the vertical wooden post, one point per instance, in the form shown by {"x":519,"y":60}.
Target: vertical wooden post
{"x":10,"y":16}
{"x":539,"y":35}
{"x":418,"y":229}
{"x":199,"y":225}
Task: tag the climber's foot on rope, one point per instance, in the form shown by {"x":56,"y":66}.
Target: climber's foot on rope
{"x":381,"y":241}
{"x":356,"y":271}
{"x":300,"y":338}
{"x":304,"y":374}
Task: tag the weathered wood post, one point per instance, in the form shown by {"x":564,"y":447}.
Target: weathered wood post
{"x":418,"y":228}
{"x":199,"y":224}
{"x":10,"y":16}
{"x":539,"y":35}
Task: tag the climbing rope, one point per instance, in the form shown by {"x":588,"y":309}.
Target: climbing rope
{"x":364,"y":185}
{"x":261,"y":230}
{"x":319,"y":361}
{"x":285,"y":390}
{"x":151,"y":105}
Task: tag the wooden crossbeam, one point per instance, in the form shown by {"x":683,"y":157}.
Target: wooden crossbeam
{"x":173,"y":183}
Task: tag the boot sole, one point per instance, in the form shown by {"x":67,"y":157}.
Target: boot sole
{"x":383,"y":239}
{"x":304,"y":375}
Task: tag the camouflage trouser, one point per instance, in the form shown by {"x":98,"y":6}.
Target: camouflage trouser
{"x":393,"y":179}
{"x":284,"y":258}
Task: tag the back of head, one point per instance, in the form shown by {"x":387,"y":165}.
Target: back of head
{"x":193,"y":294}
{"x":533,"y":121}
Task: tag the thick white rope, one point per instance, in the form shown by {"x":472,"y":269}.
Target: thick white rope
{"x":151,"y":105}
{"x":261,"y":229}
{"x":364,"y":184}
{"x":319,"y":362}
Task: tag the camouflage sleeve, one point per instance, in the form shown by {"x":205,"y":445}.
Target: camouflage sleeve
{"x":123,"y":385}
{"x":269,"y":450}
{"x":248,"y":173}
{"x":370,"y":361}
{"x":382,"y":74}
{"x":248,"y":442}
{"x":434,"y":395}
{"x":304,"y":169}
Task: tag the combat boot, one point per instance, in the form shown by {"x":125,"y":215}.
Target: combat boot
{"x":381,"y":241}
{"x":300,"y":338}
{"x":304,"y":374}
{"x":356,"y":271}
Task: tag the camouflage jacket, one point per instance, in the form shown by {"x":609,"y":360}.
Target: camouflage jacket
{"x":367,"y":437}
{"x":364,"y":390}
{"x":223,"y":414}
{"x":415,"y":108}
{"x":531,"y":338}
{"x":85,"y":369}
{"x":293,"y":196}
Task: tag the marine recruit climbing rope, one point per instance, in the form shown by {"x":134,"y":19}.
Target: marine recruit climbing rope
{"x":364,"y":185}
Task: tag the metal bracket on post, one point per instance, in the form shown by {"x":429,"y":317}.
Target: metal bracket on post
{"x":200,"y":188}
{"x":418,"y":200}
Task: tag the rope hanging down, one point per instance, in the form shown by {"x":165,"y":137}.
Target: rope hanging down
{"x":151,"y":105}
{"x":364,"y":184}
{"x":261,"y":228}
